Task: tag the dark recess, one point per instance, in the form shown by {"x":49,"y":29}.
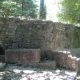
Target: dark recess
{"x":2,"y":51}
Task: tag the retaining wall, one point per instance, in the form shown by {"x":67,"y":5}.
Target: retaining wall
{"x":31,"y":34}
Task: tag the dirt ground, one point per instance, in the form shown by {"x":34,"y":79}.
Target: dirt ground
{"x":13,"y":72}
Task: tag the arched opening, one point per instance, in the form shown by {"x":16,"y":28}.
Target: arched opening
{"x":2,"y":51}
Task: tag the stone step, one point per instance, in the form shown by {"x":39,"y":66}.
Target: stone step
{"x":43,"y":64}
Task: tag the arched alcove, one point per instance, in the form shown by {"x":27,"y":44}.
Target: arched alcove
{"x":2,"y":51}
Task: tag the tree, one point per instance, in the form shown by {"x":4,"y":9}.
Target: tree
{"x":70,"y":11}
{"x":8,"y":8}
{"x":27,"y":8}
{"x":42,"y":10}
{"x":30,"y":8}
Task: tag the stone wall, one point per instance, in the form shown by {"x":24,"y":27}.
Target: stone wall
{"x":64,"y":59}
{"x":46,"y":35}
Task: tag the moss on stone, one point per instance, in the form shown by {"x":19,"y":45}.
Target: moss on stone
{"x":19,"y":27}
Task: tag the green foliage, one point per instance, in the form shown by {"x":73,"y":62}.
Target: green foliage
{"x":27,"y":8}
{"x":42,"y":10}
{"x":8,"y":8}
{"x":70,"y":11}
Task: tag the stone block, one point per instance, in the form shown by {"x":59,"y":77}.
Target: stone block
{"x":22,"y":56}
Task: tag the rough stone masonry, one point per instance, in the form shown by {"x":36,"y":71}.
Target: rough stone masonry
{"x":31,"y":34}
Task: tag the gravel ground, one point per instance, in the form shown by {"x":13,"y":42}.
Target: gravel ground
{"x":26,"y":73}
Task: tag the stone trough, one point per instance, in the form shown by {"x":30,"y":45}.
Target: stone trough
{"x":27,"y":57}
{"x":23,"y":56}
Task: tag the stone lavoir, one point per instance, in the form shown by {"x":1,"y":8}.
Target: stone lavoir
{"x":18,"y":36}
{"x":52,"y":60}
